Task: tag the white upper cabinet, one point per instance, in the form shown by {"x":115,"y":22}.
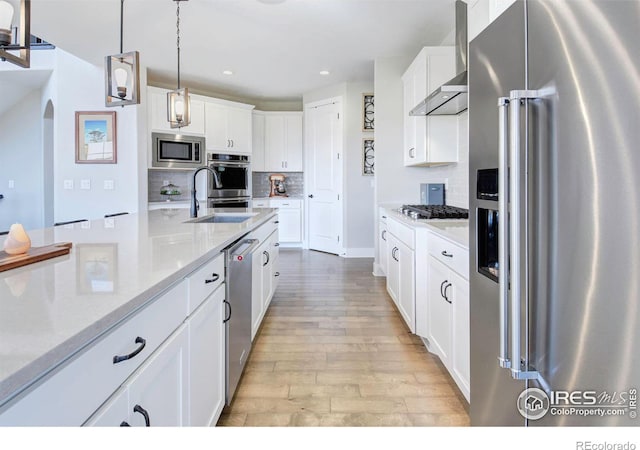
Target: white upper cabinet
{"x":429,"y":140}
{"x":281,"y":142}
{"x":228,"y":128}
{"x":158,"y":113}
{"x":482,"y":12}
{"x":257,"y":137}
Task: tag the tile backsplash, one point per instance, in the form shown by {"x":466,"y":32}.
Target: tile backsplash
{"x":294,"y":184}
{"x":180,"y":178}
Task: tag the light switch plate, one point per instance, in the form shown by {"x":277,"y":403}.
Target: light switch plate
{"x":108,"y":185}
{"x":68,"y":184}
{"x":85,"y":184}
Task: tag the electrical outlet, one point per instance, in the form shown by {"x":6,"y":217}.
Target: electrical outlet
{"x":12,"y":184}
{"x":85,"y":184}
{"x":68,"y":184}
{"x":86,"y":225}
{"x":108,"y":185}
{"x":109,"y":222}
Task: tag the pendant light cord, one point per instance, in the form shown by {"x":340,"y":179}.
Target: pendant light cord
{"x":121,"y":24}
{"x":178,"y":38}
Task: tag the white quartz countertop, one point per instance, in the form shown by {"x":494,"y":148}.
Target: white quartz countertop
{"x":52,"y":309}
{"x":457,"y":230}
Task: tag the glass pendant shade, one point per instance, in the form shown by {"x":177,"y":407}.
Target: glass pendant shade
{"x":6,"y":19}
{"x":122,"y":79}
{"x":179,"y":108}
{"x":18,"y":53}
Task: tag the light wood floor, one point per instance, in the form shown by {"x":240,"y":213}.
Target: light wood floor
{"x":333,"y":351}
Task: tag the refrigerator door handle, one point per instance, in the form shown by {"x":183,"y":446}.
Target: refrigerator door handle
{"x":516,"y":234}
{"x":503,"y":227}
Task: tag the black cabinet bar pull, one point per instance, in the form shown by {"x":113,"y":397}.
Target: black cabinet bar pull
{"x":277,"y":221}
{"x":448,"y":255}
{"x":441,"y":286}
{"x":445,"y":293}
{"x":124,"y":424}
{"x":139,"y":340}
{"x":277,"y":244}
{"x":384,"y":234}
{"x":215,"y":278}
{"x":265,"y":253}
{"x":226,"y":303}
{"x":145,"y":414}
{"x":277,"y":274}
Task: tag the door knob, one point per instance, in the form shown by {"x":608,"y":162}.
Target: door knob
{"x":310,"y":195}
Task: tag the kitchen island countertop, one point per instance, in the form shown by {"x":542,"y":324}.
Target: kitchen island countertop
{"x":52,"y":309}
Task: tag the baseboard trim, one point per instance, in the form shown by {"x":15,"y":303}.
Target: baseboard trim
{"x":377,"y":270}
{"x":359,"y":253}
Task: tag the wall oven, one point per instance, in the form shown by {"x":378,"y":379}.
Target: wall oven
{"x":177,"y":151}
{"x":230,"y":188}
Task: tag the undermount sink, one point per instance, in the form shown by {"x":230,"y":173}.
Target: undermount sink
{"x":224,"y":218}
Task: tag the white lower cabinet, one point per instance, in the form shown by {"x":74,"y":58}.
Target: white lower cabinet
{"x":401,"y":271}
{"x":289,"y":215}
{"x":156,"y":394}
{"x":265,"y":276}
{"x":383,"y":247}
{"x":206,"y":360}
{"x":448,"y":308}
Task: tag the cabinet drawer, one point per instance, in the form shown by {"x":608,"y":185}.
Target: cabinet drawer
{"x":285,"y":204}
{"x":402,"y":232}
{"x":262,"y":233}
{"x":458,"y":259}
{"x":77,"y":389}
{"x":260,"y":203}
{"x":204,"y":281}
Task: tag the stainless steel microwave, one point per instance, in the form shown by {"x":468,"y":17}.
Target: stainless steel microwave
{"x":178,"y":151}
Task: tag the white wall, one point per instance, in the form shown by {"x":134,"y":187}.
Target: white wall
{"x":396,"y":183}
{"x":21,"y":162}
{"x":80,"y":87}
{"x":358,"y":205}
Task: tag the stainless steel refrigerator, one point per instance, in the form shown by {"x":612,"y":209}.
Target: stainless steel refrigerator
{"x":554,"y":148}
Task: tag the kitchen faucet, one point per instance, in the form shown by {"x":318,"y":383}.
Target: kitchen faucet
{"x":194,"y":202}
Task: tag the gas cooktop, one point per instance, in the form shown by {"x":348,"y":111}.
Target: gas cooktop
{"x":434,"y":212}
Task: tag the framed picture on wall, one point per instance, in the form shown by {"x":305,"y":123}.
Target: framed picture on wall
{"x":96,"y":137}
{"x":367,"y":112}
{"x":97,"y":268}
{"x":368,"y":156}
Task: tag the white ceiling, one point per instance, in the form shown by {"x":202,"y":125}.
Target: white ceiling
{"x":276,"y":51}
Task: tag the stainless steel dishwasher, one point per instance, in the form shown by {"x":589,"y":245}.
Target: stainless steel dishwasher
{"x":238,"y":258}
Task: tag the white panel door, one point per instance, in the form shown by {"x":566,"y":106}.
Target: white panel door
{"x":440,"y":314}
{"x":206,"y":361}
{"x":458,"y":292}
{"x":114,"y":413}
{"x":293,"y":160}
{"x":324,"y":169}
{"x":216,"y":127}
{"x":274,"y":143}
{"x":258,"y":264}
{"x":382,"y":247}
{"x":406,"y":301}
{"x":290,"y":225}
{"x":159,"y":388}
{"x":393,"y":268}
{"x":239,"y":130}
{"x":257,"y":139}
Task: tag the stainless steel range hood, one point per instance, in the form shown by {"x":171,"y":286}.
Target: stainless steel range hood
{"x":450,"y":98}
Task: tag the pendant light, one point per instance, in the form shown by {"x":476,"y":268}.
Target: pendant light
{"x":122,"y":74}
{"x":178,"y":101}
{"x":24,"y":33}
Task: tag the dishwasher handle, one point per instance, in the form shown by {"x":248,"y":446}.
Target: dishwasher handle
{"x":253,"y":243}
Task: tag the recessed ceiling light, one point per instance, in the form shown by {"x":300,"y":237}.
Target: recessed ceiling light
{"x":324,"y":72}
{"x":227,"y":72}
